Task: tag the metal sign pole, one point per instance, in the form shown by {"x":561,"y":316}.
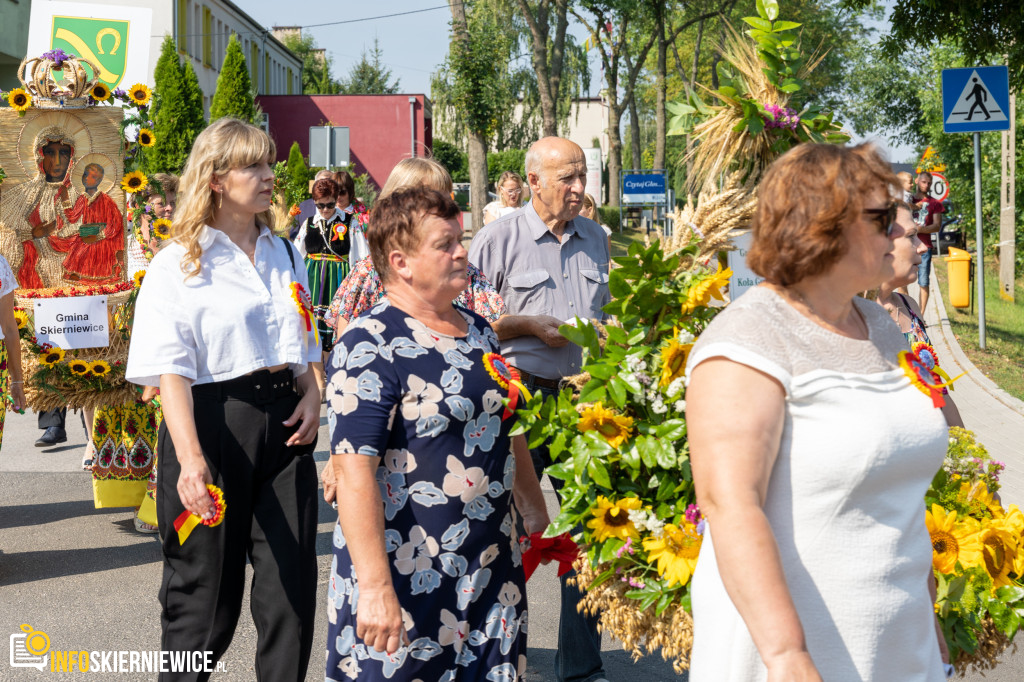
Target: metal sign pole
{"x":979,"y":241}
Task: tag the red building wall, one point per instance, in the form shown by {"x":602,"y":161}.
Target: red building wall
{"x":380,"y":134}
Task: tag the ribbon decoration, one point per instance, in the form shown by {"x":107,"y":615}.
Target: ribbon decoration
{"x":338,"y":230}
{"x":304,"y":304}
{"x":187,"y":521}
{"x":920,"y":367}
{"x":508,"y":378}
{"x":543,"y":550}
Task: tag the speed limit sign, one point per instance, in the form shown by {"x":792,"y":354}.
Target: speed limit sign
{"x":940,"y":187}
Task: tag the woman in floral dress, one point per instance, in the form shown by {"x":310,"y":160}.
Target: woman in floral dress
{"x":426,"y":581}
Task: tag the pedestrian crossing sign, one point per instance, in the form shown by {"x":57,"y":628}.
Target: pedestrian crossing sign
{"x":975,"y":99}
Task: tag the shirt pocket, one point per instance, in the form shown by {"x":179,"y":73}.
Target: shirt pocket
{"x":595,"y":290}
{"x":530,"y":293}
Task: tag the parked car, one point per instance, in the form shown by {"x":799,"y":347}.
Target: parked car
{"x":950,"y":234}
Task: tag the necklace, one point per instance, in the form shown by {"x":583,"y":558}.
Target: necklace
{"x":833,"y":325}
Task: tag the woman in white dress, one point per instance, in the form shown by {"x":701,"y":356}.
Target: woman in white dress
{"x":811,"y":450}
{"x":510,"y":197}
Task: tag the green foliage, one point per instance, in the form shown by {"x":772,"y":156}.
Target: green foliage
{"x":508,"y":160}
{"x":609,"y":216}
{"x":369,"y":76}
{"x":365,"y":190}
{"x":316,"y":65}
{"x":234,"y":95}
{"x":177,"y":112}
{"x":452,"y":158}
{"x":297,"y":176}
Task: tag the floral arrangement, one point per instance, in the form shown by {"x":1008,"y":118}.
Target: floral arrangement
{"x":618,"y":438}
{"x":978,"y":555}
{"x":61,"y":292}
{"x":57,"y":367}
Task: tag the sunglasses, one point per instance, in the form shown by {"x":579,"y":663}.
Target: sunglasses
{"x":329,"y":205}
{"x":883,"y":218}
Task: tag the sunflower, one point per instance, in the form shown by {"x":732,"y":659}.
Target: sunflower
{"x":21,"y":317}
{"x":161,"y":228}
{"x":139,"y":276}
{"x":675,"y":551}
{"x":99,"y":368}
{"x":51,"y":356}
{"x":100,"y":92}
{"x":673,"y":359}
{"x":999,"y":552}
{"x":611,"y":519}
{"x":615,"y":428}
{"x":80,"y":368}
{"x":700,"y":294}
{"x":134,"y":181}
{"x":140,"y":94}
{"x":19,"y":99}
{"x":146,"y":137}
{"x":951,"y":541}
{"x":979,"y":500}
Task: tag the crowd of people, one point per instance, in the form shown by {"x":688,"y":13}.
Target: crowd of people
{"x":240,"y":334}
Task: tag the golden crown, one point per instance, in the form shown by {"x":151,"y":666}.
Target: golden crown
{"x":58,"y":80}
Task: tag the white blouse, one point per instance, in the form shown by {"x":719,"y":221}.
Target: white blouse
{"x":8,"y":282}
{"x":231,"y":319}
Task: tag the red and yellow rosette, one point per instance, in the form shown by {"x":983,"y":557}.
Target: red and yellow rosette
{"x":187,"y":521}
{"x":304,"y":304}
{"x":927,"y":354}
{"x":922,"y":374}
{"x":508,"y":378}
{"x":339,"y":230}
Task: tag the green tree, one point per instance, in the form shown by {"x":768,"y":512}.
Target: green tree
{"x":369,"y":76}
{"x":177,"y":115}
{"x":316,"y":65}
{"x":297,"y":189}
{"x":234,"y":95}
{"x":452,"y":158}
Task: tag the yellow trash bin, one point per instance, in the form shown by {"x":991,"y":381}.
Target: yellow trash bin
{"x":958,"y":264}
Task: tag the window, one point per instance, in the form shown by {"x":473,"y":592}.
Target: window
{"x":291,"y":80}
{"x":254,"y":63}
{"x":207,"y":37}
{"x":182,"y":27}
{"x":195,"y":39}
{"x":266,"y":73}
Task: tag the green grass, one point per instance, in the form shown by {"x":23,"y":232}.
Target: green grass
{"x":622,"y":240}
{"x":1003,"y":359}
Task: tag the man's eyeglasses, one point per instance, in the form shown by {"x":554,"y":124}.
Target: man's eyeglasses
{"x":328,"y":206}
{"x":883,"y":218}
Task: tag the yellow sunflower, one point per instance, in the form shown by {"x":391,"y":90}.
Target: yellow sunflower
{"x":978,"y":497}
{"x":673,"y":359}
{"x":19,"y":99}
{"x":146,"y":137}
{"x":611,"y":519}
{"x":951,"y":541}
{"x":700,"y":294}
{"x":134,"y":181}
{"x":51,"y":357}
{"x":675,"y":552}
{"x":140,"y":94}
{"x":99,"y":368}
{"x":161,"y":228}
{"x":100,"y":92}
{"x":79,"y":368}
{"x":615,"y":428}
{"x":139,"y":276}
{"x":21,"y":317}
{"x":999,"y":552}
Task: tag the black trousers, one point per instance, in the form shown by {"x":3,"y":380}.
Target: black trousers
{"x":270,"y":493}
{"x":54,"y":417}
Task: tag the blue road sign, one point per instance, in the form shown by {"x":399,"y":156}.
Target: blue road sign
{"x":975,"y":99}
{"x":648,"y":188}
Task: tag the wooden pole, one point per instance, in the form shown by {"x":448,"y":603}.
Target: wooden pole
{"x":1007,"y":207}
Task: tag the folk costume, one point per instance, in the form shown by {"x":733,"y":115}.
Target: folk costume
{"x":7,"y":284}
{"x":330,"y":247}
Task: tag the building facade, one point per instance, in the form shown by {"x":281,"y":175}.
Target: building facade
{"x":14,"y":18}
{"x":200,"y":30}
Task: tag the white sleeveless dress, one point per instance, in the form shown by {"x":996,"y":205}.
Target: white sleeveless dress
{"x":859,"y":448}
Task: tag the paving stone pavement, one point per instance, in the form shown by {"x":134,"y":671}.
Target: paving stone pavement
{"x":83,"y":576}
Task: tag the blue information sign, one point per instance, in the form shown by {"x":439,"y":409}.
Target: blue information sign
{"x":975,"y":99}
{"x":643,"y":189}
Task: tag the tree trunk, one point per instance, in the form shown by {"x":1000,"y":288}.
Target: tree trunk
{"x":1007,"y":207}
{"x":475,"y":141}
{"x":693,"y":84}
{"x":543,"y":48}
{"x":614,"y":148}
{"x":659,"y":84}
{"x":634,"y":135}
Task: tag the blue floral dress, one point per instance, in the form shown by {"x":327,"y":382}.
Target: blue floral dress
{"x":426,"y":404}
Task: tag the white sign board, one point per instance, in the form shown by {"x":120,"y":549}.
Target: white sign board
{"x":127,"y":57}
{"x":72,"y":322}
{"x":594,"y":188}
{"x":743,"y":278}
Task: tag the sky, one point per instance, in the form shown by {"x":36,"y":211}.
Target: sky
{"x":413,"y":44}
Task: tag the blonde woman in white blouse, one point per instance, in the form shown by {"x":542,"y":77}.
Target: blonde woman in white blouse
{"x":221,"y":327}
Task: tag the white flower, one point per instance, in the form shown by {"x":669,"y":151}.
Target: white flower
{"x":416,"y":555}
{"x":675,"y":387}
{"x":453,"y":631}
{"x":685,"y":337}
{"x":421,"y":400}
{"x":428,"y":338}
{"x":680,"y":406}
{"x":658,"y":406}
{"x":467,"y":484}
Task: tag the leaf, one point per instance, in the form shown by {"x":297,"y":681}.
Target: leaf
{"x":769,"y":9}
{"x":599,"y":473}
{"x":561,"y":524}
{"x":758,"y":23}
{"x":608,"y":549}
{"x":617,"y":391}
{"x":780,"y":26}
{"x":663,"y":603}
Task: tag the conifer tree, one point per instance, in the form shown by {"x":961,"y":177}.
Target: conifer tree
{"x":176,"y":121}
{"x":298,"y":175}
{"x":234,"y":95}
{"x":195,"y":114}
